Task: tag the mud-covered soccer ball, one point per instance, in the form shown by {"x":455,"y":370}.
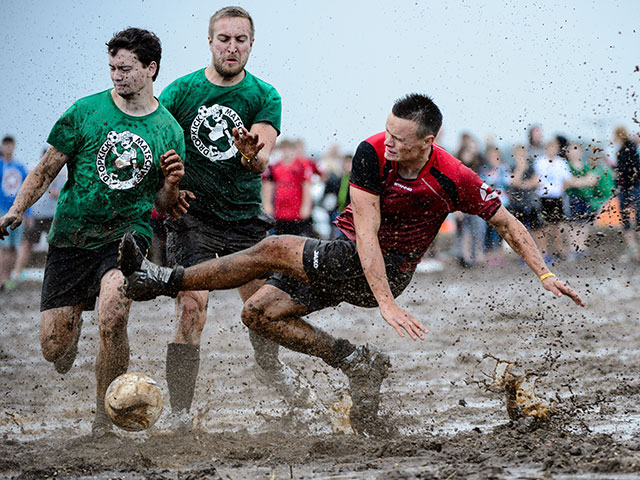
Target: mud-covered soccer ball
{"x":133,"y":401}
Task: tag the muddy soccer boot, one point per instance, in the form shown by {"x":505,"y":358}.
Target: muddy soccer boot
{"x":102,"y":425}
{"x":145,"y":280}
{"x":65,"y":362}
{"x":365,"y":368}
{"x":180,"y":422}
{"x":289,"y":383}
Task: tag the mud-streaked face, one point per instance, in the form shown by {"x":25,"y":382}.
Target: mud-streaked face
{"x":231,"y":45}
{"x":402,"y":142}
{"x":128,"y":74}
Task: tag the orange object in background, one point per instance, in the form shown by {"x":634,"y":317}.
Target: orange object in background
{"x":609,"y":214}
{"x":449,"y":226}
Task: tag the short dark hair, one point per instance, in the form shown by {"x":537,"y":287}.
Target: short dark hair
{"x":143,"y":43}
{"x":231,"y":12}
{"x":419,"y":108}
{"x":8,"y":139}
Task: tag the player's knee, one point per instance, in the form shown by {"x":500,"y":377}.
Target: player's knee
{"x":191,"y":306}
{"x":253,"y":315}
{"x":270,"y":247}
{"x":52,"y":348}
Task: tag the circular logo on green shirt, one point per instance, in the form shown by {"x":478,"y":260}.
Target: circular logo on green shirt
{"x":211,"y":132}
{"x":124,"y":159}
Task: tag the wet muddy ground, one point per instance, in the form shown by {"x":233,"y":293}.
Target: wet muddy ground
{"x":448,"y":424}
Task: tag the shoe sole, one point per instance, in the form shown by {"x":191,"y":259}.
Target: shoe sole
{"x":128,"y":258}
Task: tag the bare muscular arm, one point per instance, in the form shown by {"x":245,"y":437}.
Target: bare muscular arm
{"x":366,"y":216}
{"x":34,"y":186}
{"x":520,"y":240}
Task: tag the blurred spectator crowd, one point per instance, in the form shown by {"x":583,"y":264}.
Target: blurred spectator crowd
{"x":562,"y":189}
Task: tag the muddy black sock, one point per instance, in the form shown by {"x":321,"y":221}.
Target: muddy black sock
{"x":340,"y":350}
{"x":101,"y":417}
{"x":183,"y":363}
{"x":265,"y":351}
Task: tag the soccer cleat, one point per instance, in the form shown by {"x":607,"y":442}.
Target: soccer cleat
{"x":289,"y":383}
{"x":365,"y":368}
{"x":101,"y":427}
{"x":65,"y":362}
{"x":145,"y":280}
{"x":180,"y":422}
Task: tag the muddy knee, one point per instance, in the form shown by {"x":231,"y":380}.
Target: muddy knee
{"x":191,"y":308}
{"x":54,"y":344}
{"x":53,"y":347}
{"x":253,"y":316}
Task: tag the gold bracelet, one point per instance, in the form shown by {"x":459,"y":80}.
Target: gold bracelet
{"x":248,"y":159}
{"x":547,"y":275}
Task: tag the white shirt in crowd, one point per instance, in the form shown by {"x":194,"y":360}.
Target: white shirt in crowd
{"x":552,"y":174}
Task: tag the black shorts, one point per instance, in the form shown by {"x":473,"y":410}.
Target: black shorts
{"x":530,"y":217}
{"x":191,"y":240}
{"x":72,"y":275}
{"x":158,"y":228}
{"x":34,"y":231}
{"x":302,"y":228}
{"x":553,"y":210}
{"x":335,"y":275}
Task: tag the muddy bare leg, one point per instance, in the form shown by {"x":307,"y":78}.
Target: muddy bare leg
{"x":113,"y":351}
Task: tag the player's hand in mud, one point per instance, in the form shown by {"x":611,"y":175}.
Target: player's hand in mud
{"x":182,"y":204}
{"x":249,"y":145}
{"x":172,"y":167}
{"x":401,"y":320}
{"x":9,"y":220}
{"x":559,"y":289}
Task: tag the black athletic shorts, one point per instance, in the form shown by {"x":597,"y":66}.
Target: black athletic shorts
{"x":72,"y":275}
{"x":158,"y":228}
{"x":192,"y":240}
{"x":530,"y":218}
{"x":335,"y":275}
{"x":33,"y":232}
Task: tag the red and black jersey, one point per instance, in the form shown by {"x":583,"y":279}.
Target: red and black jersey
{"x":412,"y":211}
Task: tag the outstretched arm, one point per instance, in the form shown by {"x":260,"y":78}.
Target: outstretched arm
{"x":366,"y":216}
{"x":520,"y":240}
{"x":34,"y":186}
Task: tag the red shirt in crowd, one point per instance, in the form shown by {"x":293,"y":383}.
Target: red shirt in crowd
{"x":288,"y":180}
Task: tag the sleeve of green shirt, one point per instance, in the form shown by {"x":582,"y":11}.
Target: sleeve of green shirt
{"x":167,"y":98}
{"x":64,"y":134}
{"x":271,"y":111}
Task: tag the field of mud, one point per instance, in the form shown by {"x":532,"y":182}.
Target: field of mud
{"x":448,"y":422}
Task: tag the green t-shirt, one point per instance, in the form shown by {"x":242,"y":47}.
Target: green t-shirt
{"x":604,"y":187}
{"x":582,"y":192}
{"x":213,"y":170}
{"x":113,"y":170}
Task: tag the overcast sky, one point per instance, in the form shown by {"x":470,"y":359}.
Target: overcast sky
{"x":492,"y":66}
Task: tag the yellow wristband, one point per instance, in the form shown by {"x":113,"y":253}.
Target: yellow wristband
{"x":249,"y":159}
{"x":547,"y":275}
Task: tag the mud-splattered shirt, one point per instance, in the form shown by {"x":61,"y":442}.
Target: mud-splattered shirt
{"x":207,"y":114}
{"x":113,"y":170}
{"x":412,"y":211}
